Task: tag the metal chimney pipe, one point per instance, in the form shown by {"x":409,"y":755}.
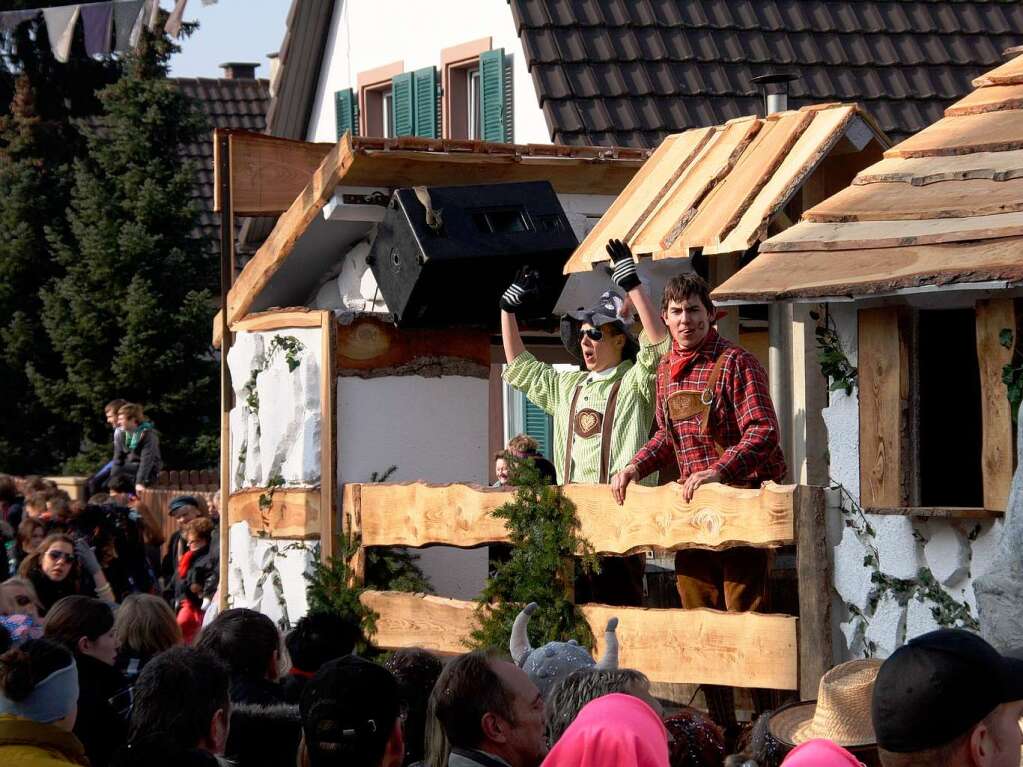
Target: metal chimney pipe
{"x":779,"y":314}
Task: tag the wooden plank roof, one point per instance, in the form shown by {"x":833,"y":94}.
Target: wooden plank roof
{"x":392,"y":163}
{"x":943,"y":208}
{"x":717,"y":189}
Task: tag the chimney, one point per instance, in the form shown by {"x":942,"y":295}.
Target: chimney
{"x":239,"y":70}
{"x":275,"y":65}
{"x":776,"y":90}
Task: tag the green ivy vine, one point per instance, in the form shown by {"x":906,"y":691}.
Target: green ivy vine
{"x":924,"y":588}
{"x":835,"y":365}
{"x":291,"y":347}
{"x":1012,"y":372}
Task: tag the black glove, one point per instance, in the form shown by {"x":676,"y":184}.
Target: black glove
{"x":526,"y":288}
{"x":624,"y":273}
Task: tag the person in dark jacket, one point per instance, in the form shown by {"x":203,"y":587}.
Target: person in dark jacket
{"x":138,"y":457}
{"x":85,"y":626}
{"x":194,"y":581}
{"x":249,"y":643}
{"x":38,"y":702}
{"x":317,"y":638}
{"x":144,"y":627}
{"x":56,"y":570}
{"x":184,"y":509}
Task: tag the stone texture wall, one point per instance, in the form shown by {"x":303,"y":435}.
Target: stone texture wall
{"x":872,"y":618}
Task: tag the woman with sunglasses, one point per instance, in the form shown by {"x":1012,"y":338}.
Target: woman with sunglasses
{"x":603,"y":411}
{"x":55,"y":569}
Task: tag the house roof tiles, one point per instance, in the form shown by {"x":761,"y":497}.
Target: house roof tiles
{"x":905,"y":61}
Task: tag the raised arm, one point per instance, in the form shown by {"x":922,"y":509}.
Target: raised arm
{"x":519,"y":293}
{"x":625,"y":276}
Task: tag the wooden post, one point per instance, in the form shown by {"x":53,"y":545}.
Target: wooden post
{"x":222,"y":145}
{"x":353,"y":530}
{"x":813,"y":569}
{"x":996,"y":459}
{"x":328,"y":436}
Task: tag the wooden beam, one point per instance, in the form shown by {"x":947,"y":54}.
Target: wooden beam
{"x":294,"y":512}
{"x":813,"y":569}
{"x":278,"y":246}
{"x":826,"y":274}
{"x":371,"y":344}
{"x":894,"y":202}
{"x":864,"y":235}
{"x":329,"y":519}
{"x":936,"y":512}
{"x":719,"y":516}
{"x":990,"y":99}
{"x":278,"y":319}
{"x":883,"y":356}
{"x":997,"y":455}
{"x":268,"y":172}
{"x":1009,"y":73}
{"x":707,"y":646}
{"x":351,"y":511}
{"x":985,"y":132}
{"x":920,"y":171}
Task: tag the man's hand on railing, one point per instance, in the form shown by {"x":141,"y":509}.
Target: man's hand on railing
{"x":696,"y":479}
{"x":620,"y":481}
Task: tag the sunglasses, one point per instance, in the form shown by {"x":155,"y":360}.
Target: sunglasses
{"x":594,"y":334}
{"x":56,"y":556}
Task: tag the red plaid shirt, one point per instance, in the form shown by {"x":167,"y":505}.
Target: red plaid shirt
{"x":742,"y":420}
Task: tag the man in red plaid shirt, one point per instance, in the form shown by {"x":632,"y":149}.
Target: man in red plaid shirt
{"x":715,"y":419}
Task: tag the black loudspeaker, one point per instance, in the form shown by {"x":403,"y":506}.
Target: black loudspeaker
{"x":450,"y":264}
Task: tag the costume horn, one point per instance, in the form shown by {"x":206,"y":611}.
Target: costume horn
{"x":518,"y":645}
{"x":609,"y":660}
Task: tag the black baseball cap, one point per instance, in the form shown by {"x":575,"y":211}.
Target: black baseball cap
{"x":348,"y":712}
{"x":939,"y":685}
{"x":178,"y":504}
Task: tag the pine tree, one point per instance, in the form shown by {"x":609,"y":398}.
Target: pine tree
{"x":38,"y":141}
{"x":130,"y":315}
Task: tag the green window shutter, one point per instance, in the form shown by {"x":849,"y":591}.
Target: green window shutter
{"x":403,"y":115}
{"x":495,"y":123}
{"x":425,"y":92}
{"x":344,"y":112}
{"x":539,"y":426}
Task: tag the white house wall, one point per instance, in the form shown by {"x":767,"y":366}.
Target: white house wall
{"x":954,"y":551}
{"x":366,"y":34}
{"x":280,"y":438}
{"x":432,"y":429}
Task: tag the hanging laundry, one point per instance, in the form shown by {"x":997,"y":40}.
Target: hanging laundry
{"x":98,"y":21}
{"x":60,"y":27}
{"x":148,"y":15}
{"x":126,"y":13}
{"x":11,"y":19}
{"x":176,"y":18}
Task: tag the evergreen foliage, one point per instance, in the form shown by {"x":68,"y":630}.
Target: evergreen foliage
{"x":544,"y":532}
{"x":130,"y":313}
{"x":38,"y":140}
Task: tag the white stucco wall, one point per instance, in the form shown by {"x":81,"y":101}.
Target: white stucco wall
{"x":432,"y":429}
{"x":365,"y":34}
{"x":954,"y":551}
{"x":281,"y":438}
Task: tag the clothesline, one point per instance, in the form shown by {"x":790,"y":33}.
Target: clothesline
{"x":114,"y":25}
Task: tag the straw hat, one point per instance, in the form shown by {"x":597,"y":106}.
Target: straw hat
{"x":841,"y":712}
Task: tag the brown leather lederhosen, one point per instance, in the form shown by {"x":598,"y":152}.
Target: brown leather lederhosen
{"x":607,"y":423}
{"x":685,"y":404}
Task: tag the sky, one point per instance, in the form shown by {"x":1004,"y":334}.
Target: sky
{"x":231,"y":30}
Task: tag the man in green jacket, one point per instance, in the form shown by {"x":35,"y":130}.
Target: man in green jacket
{"x":602,"y":415}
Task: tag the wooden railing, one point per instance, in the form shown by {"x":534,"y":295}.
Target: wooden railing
{"x":696,"y":646}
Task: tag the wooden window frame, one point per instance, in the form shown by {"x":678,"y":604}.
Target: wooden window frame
{"x":371,"y":85}
{"x":455,"y":62}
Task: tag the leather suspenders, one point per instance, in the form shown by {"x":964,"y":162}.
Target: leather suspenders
{"x":607,"y":424}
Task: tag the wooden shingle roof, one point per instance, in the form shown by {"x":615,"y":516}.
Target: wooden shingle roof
{"x":943,"y":208}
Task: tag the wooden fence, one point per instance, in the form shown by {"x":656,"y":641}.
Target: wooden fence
{"x":697,"y":646}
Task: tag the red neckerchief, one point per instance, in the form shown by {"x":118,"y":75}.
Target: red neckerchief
{"x":680,"y":358}
{"x":300,"y":673}
{"x":185,"y":561}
